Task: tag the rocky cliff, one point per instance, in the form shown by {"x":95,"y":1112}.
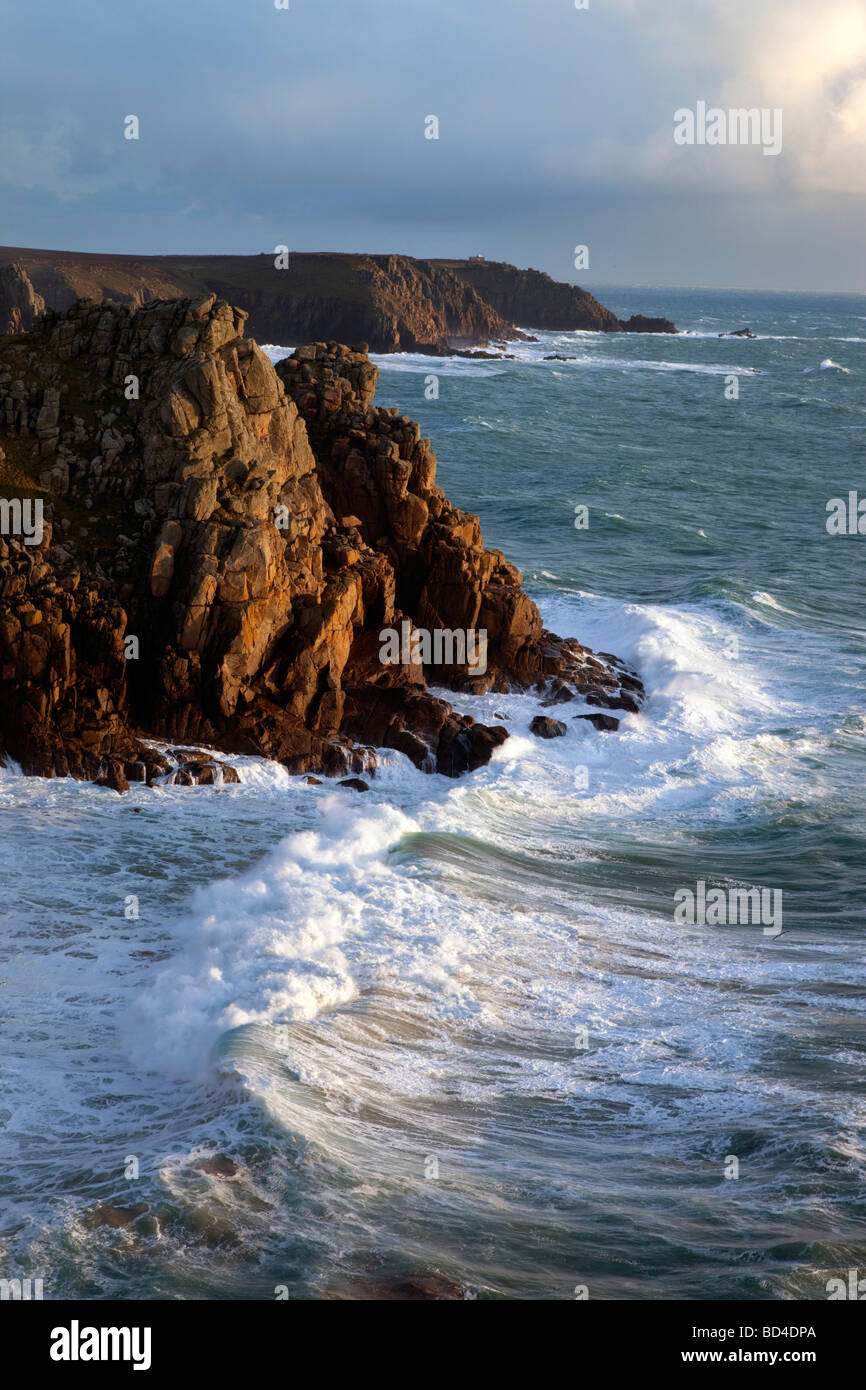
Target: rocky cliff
{"x":222,"y":543}
{"x":531,"y":298}
{"x":391,"y":303}
{"x":20,"y":305}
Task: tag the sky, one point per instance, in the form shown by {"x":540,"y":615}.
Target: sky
{"x":306,"y":127}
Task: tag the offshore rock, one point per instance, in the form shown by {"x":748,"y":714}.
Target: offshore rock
{"x":639,"y":323}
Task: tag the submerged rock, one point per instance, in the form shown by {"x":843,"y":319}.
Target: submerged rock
{"x":417,"y":1288}
{"x":202,"y":772}
{"x":218,"y":1167}
{"x":115,"y":1217}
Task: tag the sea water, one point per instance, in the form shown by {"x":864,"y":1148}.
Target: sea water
{"x":451,"y":1030}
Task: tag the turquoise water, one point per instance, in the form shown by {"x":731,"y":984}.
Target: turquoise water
{"x":453,"y":1029}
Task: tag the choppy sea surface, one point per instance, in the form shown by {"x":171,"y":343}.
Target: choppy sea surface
{"x":452,"y":1030}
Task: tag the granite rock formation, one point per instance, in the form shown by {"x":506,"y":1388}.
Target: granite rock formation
{"x":20,"y":305}
{"x":222,"y":543}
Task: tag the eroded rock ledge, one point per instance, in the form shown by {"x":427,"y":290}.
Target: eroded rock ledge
{"x":223,"y":543}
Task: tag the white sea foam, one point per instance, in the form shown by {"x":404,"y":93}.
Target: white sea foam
{"x":383,"y":984}
{"x":274,"y":945}
{"x":827,"y":365}
{"x":533,"y":354}
{"x":328,"y":917}
{"x":755,"y":338}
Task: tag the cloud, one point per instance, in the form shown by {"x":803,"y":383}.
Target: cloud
{"x":806,"y":58}
{"x":306,"y":126}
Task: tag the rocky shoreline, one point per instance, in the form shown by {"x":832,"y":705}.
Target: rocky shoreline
{"x":393,"y":303}
{"x":221,"y":543}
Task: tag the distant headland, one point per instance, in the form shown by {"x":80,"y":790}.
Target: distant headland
{"x":392,"y":303}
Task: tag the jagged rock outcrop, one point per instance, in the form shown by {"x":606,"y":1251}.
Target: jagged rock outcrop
{"x":222,"y":545}
{"x":19,"y":302}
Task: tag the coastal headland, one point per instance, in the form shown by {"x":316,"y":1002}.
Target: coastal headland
{"x":393,"y":303}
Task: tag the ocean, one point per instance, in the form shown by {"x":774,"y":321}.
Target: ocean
{"x":450,"y":1034}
